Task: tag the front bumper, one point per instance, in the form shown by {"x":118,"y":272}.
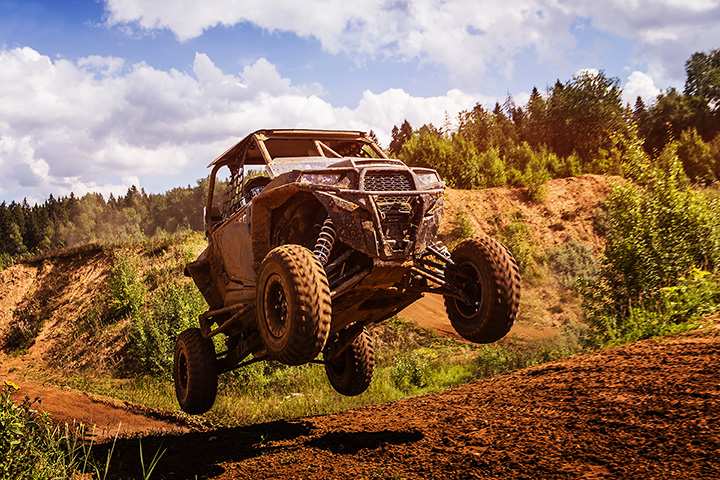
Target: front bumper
{"x":389,"y":225}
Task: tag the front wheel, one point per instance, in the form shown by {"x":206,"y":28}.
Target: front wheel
{"x":350,"y":371}
{"x":293,"y":305}
{"x":489,"y":279}
{"x":195,"y":372}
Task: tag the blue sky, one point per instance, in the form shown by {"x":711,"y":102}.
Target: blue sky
{"x":97,"y":95}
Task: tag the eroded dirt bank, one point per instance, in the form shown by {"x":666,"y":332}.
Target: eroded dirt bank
{"x":648,"y":410}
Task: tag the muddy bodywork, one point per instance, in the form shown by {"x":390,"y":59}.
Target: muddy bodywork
{"x":383,"y":215}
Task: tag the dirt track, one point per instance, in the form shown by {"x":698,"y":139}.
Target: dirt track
{"x":649,"y":410}
{"x":104,"y":419}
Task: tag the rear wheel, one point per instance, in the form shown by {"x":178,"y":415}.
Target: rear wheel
{"x":351,"y":370}
{"x":489,"y":278}
{"x":293,"y":305}
{"x":195,"y":372}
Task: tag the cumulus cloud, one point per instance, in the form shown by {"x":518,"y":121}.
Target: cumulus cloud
{"x":97,"y":124}
{"x":639,"y":84}
{"x":466,"y":36}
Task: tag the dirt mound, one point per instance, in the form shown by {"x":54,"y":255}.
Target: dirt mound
{"x":648,"y":410}
{"x":568,"y":214}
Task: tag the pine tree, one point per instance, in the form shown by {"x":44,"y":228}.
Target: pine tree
{"x":399,"y":137}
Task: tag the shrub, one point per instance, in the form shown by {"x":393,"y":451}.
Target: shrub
{"x":23,"y":329}
{"x":517,"y":238}
{"x":697,"y":157}
{"x":410,"y":371}
{"x":6,"y":261}
{"x":674,"y":309}
{"x":534,"y":178}
{"x":126,"y":291}
{"x":659,"y":232}
{"x":31,"y":447}
{"x":172,"y":308}
{"x":573,"y":262}
{"x":463,"y":226}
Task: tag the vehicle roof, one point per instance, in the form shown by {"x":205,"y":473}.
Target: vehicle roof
{"x":265,"y":134}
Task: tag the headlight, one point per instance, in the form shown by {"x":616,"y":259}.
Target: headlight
{"x":427,"y":178}
{"x":340,"y":180}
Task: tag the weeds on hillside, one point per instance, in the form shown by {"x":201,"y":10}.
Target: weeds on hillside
{"x":661,"y":264}
{"x":172,"y":308}
{"x":463,"y":226}
{"x":6,"y":260}
{"x":24,"y":328}
{"x":517,"y":238}
{"x":126,"y":291}
{"x":34,"y":448}
{"x":573,"y":263}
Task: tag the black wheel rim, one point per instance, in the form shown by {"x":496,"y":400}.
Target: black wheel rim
{"x":276,"y":308}
{"x":469,"y":280}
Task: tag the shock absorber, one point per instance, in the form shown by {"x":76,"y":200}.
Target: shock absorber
{"x":325,"y":241}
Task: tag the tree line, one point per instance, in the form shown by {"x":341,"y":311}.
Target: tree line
{"x":577,"y":126}
{"x":574,"y":127}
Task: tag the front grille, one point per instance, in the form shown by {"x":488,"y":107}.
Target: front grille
{"x":397,"y":213}
{"x":387,"y":181}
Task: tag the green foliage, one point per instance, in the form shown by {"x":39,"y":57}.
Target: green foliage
{"x":126,"y":290}
{"x":517,"y":238}
{"x":411,"y":371}
{"x":660,"y":233}
{"x":534,"y":177}
{"x":463,"y":226}
{"x":674,"y":309}
{"x":698,"y":160}
{"x":31,"y":447}
{"x":172,"y":308}
{"x":573,"y":263}
{"x":6,"y":261}
{"x":657,"y":230}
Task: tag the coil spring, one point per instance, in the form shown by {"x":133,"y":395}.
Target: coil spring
{"x":325,"y":241}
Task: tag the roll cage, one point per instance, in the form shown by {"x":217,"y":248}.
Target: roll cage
{"x":268,"y":147}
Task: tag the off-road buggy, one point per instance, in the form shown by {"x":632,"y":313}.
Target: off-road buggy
{"x":313,"y":236}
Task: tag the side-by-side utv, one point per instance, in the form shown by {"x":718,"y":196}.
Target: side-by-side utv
{"x":314,"y":236}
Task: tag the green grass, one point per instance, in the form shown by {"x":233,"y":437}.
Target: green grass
{"x":410,"y":361}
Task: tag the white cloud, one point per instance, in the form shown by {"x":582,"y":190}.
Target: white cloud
{"x":465,"y":36}
{"x":639,"y":84}
{"x":67,"y":126}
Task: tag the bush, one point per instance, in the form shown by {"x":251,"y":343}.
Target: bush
{"x":463,"y":226}
{"x":172,"y":308}
{"x":517,"y":238}
{"x":674,"y":310}
{"x":31,"y":447}
{"x":23,"y":329}
{"x":573,"y":263}
{"x":660,"y":232}
{"x":6,"y":261}
{"x":126,"y":290}
{"x":657,"y":230}
{"x":697,"y":157}
{"x":410,"y":371}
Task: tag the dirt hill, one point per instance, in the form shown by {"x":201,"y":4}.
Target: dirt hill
{"x":568,"y":216}
{"x":49,"y":297}
{"x":648,"y":410}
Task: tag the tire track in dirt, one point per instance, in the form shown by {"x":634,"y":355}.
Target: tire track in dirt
{"x":648,"y":410}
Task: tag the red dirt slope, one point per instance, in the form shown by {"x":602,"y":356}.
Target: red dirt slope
{"x":648,"y":410}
